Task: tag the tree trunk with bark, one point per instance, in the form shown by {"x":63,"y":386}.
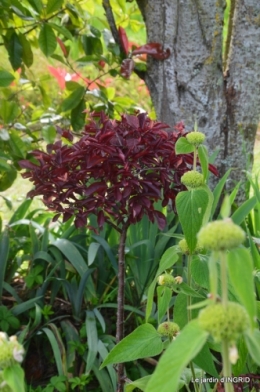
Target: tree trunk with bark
{"x":196,"y":84}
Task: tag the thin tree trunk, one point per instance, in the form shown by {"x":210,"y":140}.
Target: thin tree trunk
{"x":120,"y":303}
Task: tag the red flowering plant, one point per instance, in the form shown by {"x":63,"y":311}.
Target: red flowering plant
{"x":117,"y":170}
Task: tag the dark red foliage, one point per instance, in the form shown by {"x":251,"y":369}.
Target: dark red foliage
{"x":154,"y":49}
{"x":123,"y":39}
{"x":117,"y":170}
{"x":127,"y":68}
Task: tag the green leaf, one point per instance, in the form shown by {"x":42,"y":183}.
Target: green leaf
{"x":14,"y":377}
{"x":191,"y":207}
{"x":186,"y":289}
{"x":238,"y":368}
{"x":182,"y":146}
{"x":62,"y":30}
{"x":253,"y":344}
{"x":169,"y":258}
{"x":200,"y":271}
{"x":92,"y":252}
{"x":143,"y":342}
{"x":7,"y":178}
{"x":24,"y":306}
{"x":21,"y":211}
{"x":6,"y":78}
{"x":178,"y":354}
{"x":53,"y":5}
{"x":73,"y":100}
{"x":49,"y":134}
{"x":77,"y":116}
{"x":92,"y":339}
{"x":218,"y":191}
{"x":57,"y":348}
{"x":81,"y":291}
{"x":36,"y":5}
{"x":121,"y":3}
{"x":47,"y":40}
{"x":241,"y":213}
{"x":72,"y":254}
{"x":240,"y":268}
{"x":17,"y":145}
{"x":140,"y":384}
{"x":180,"y":309}
{"x":15,"y":51}
{"x":4,"y":252}
{"x":225,"y":207}
{"x":102,"y":350}
{"x":9,"y":111}
{"x":204,"y":161}
{"x":204,"y":360}
{"x":164,"y":295}
{"x":92,"y":45}
{"x":27,"y":55}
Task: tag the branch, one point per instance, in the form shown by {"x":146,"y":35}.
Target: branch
{"x":111,"y":20}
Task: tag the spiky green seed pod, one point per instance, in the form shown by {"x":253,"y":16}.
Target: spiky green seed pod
{"x":195,"y":138}
{"x":224,"y":323}
{"x":221,"y":235}
{"x":185,"y":249}
{"x":166,"y":280}
{"x":168,"y":329}
{"x":192,"y":179}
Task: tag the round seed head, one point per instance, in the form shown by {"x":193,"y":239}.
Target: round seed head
{"x":224,"y":323}
{"x":168,"y":329}
{"x":185,"y":249}
{"x":195,"y":138}
{"x":192,"y":179}
{"x":166,"y":280}
{"x":221,"y":235}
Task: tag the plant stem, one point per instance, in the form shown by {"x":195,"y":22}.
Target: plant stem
{"x":227,"y":370}
{"x":224,"y":282}
{"x":189,"y":284}
{"x":195,"y":159}
{"x":190,"y":313}
{"x":120,"y":302}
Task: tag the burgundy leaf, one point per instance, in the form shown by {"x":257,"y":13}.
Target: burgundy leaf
{"x":24,"y":164}
{"x":56,"y":217}
{"x":154,"y":49}
{"x":95,"y":188}
{"x":127,"y":68}
{"x":101,"y":218}
{"x":160,"y":219}
{"x":123,"y":39}
{"x":136,"y":209}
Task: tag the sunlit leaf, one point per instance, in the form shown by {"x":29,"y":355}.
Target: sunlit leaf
{"x":47,"y":40}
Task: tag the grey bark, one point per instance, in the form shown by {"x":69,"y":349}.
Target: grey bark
{"x":192,"y":85}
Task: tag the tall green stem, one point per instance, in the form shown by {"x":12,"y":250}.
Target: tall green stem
{"x":224,"y":281}
{"x":195,"y":159}
{"x":189,"y":284}
{"x":227,"y":369}
{"x":190,"y":313}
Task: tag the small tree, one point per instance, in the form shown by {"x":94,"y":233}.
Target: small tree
{"x":117,"y":170}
